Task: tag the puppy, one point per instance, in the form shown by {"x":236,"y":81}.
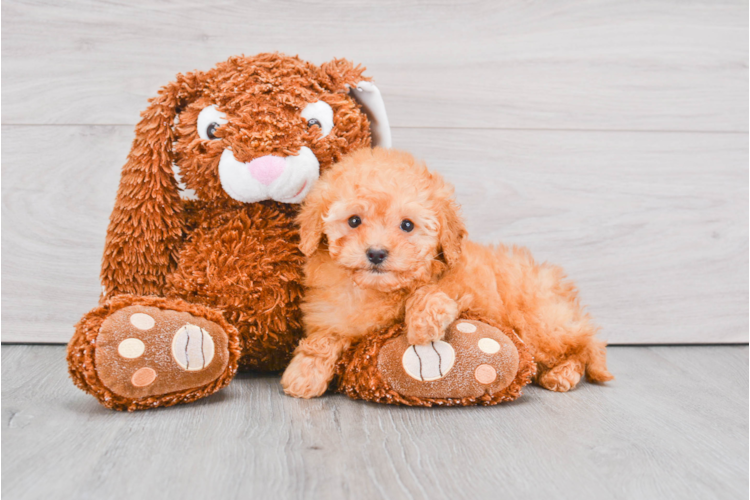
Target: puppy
{"x":386,"y":244}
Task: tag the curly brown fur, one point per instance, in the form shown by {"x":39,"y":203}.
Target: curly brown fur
{"x":265,"y":306}
{"x":429,"y":275}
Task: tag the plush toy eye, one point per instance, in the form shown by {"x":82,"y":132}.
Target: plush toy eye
{"x":209,"y":121}
{"x":407,"y":225}
{"x":319,"y":113}
{"x":211,"y":129}
{"x":354,"y":221}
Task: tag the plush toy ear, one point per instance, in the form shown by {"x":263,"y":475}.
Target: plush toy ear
{"x":452,"y":232}
{"x":146,"y":225}
{"x":368,"y":95}
{"x":310,"y":220}
{"x":343,"y":75}
{"x":340,"y":74}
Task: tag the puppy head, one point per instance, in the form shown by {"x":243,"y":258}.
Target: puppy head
{"x":388,"y":220}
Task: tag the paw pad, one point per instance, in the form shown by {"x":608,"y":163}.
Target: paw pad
{"x":464,"y":327}
{"x":131,"y":348}
{"x":143,"y":377}
{"x":192,"y":348}
{"x":142,"y":321}
{"x":488,"y":345}
{"x":485,"y":374}
{"x":429,"y":362}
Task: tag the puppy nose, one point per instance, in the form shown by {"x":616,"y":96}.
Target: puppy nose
{"x":266,"y":169}
{"x":376,"y":255}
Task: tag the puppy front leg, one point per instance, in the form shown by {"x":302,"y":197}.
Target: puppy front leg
{"x":429,"y":311}
{"x":313,"y":365}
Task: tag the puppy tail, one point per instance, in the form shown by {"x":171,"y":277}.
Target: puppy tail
{"x":596,"y":362}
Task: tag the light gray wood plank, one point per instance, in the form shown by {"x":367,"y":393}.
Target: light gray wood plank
{"x":653,"y":227}
{"x":669,"y":426}
{"x":57,"y":197}
{"x":660,"y":65}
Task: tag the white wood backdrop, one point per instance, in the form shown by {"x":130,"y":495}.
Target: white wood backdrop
{"x":609,"y":137}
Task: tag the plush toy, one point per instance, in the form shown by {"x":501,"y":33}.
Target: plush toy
{"x":201,"y":272}
{"x":475,"y":364}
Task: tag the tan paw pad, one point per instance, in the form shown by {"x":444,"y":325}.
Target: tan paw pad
{"x":192,"y":348}
{"x":428,"y":362}
{"x":143,"y":377}
{"x":466,"y":327}
{"x":485,"y":374}
{"x":142,"y":321}
{"x":131,"y":348}
{"x":488,"y":346}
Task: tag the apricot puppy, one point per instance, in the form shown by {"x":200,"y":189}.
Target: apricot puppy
{"x":386,"y":244}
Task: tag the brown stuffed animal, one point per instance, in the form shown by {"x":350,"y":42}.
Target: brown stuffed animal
{"x":194,"y":288}
{"x":475,"y":364}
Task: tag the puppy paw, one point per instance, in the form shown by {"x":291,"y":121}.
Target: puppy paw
{"x":428,"y":315}
{"x":562,"y":377}
{"x":304,"y":378}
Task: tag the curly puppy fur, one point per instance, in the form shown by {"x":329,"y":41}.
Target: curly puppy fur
{"x":429,"y":276}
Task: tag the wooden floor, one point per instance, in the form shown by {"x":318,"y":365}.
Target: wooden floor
{"x":674,"y":424}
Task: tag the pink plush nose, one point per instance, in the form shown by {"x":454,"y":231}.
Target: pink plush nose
{"x":266,"y":169}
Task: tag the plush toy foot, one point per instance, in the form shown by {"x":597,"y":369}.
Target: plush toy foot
{"x":134,"y":353}
{"x":474,"y":364}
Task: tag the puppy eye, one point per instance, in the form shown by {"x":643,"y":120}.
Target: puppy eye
{"x":321,"y":114}
{"x":209,"y":121}
{"x":354,"y":221}
{"x":407,"y":225}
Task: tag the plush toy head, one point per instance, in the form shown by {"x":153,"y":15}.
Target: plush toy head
{"x":261,"y":128}
{"x":252,"y":129}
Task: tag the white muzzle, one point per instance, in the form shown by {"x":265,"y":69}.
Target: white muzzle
{"x":287,"y":180}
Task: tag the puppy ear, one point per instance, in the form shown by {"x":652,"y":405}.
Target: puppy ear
{"x":310,"y":220}
{"x":452,"y":232}
{"x":146,"y":225}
